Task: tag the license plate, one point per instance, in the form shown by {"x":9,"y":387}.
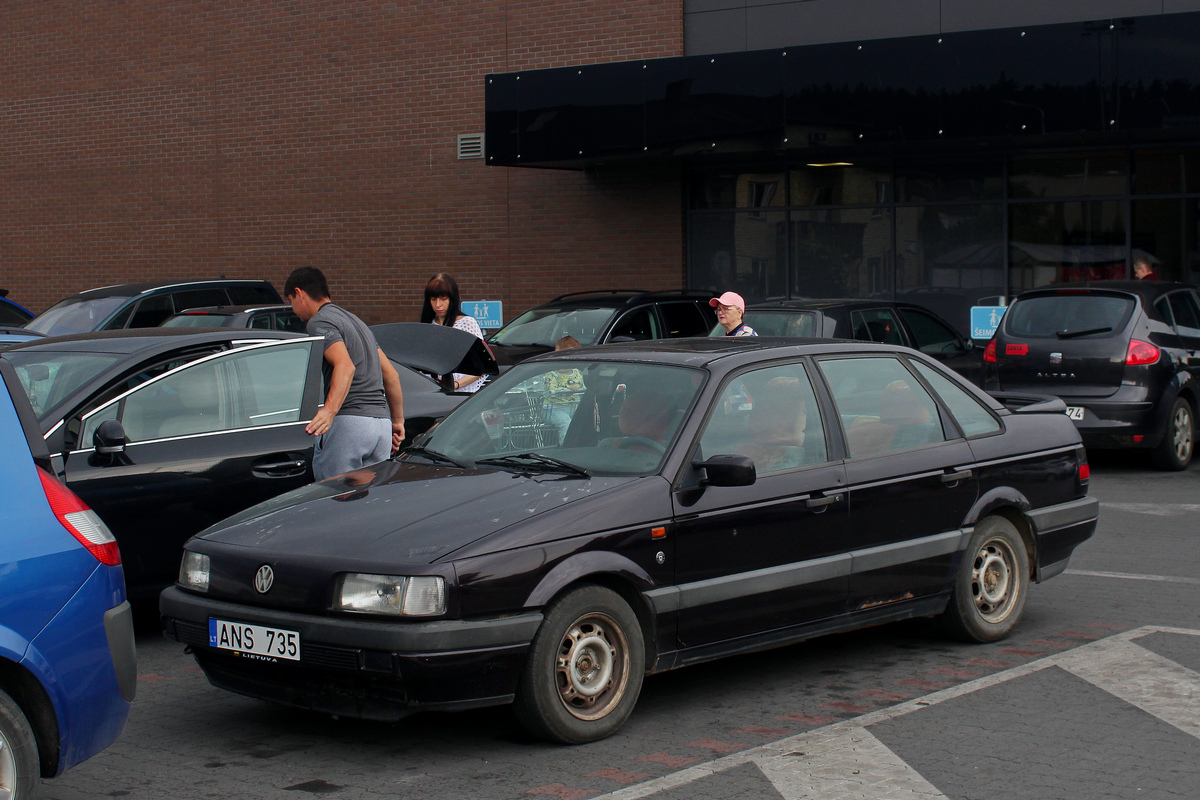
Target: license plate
{"x":1075,"y":412}
{"x":254,"y":641}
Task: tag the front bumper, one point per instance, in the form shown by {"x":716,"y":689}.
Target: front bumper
{"x":366,"y":668}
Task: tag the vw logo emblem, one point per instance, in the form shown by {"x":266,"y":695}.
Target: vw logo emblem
{"x":264,"y":578}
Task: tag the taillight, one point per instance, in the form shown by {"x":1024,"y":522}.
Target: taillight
{"x":80,"y":521}
{"x":1082,"y":469}
{"x":989,"y":352}
{"x":1141,"y":353}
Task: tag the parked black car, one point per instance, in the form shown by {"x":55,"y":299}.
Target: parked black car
{"x":1123,"y":355}
{"x":145,"y":305}
{"x":12,"y":313}
{"x":165,"y":431}
{"x":599,"y":514}
{"x":599,"y":317}
{"x":881,"y":321}
{"x":278,"y":317}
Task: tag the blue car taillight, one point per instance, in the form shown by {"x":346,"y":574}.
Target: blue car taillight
{"x":80,"y":521}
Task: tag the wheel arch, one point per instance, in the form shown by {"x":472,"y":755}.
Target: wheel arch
{"x":611,"y":571}
{"x":1011,"y":504}
{"x":31,"y":697}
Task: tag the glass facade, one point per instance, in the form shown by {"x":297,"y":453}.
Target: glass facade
{"x":942,"y":232}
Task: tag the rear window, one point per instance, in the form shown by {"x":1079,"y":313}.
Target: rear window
{"x":1068,"y":316}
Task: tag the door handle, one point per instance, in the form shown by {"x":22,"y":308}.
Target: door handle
{"x":822,"y":502}
{"x":280,"y":469}
{"x":955,"y":477}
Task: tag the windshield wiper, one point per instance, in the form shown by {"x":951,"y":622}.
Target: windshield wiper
{"x":1088,"y":332}
{"x":525,"y":460}
{"x":433,"y":455}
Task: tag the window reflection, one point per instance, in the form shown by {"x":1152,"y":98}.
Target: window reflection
{"x":842,"y":252}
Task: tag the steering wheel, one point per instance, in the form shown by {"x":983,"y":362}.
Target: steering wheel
{"x":642,"y":443}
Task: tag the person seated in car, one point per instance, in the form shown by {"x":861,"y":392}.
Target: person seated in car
{"x":776,"y":426}
{"x":643,"y":420}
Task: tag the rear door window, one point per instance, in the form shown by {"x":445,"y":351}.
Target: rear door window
{"x":883,"y":407}
{"x":1187,"y":316}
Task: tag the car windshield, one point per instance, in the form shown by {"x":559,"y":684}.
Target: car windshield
{"x":50,"y":377}
{"x":544,"y":326}
{"x":75,"y":315}
{"x":570,"y":417}
{"x":777,"y":322}
{"x":195,"y":321}
{"x":1068,"y":316}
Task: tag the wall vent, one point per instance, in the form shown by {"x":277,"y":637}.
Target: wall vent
{"x":470,"y":145}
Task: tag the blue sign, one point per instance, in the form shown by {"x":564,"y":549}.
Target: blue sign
{"x":985,"y":320}
{"x":488,"y":313}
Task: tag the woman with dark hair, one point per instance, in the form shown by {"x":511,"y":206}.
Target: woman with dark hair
{"x":443,"y":306}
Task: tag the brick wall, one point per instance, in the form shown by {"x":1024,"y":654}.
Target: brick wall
{"x":147,"y":140}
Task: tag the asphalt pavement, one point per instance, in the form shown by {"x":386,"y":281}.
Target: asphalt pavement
{"x":1095,"y":696}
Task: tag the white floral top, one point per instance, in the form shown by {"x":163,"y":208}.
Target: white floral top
{"x":467,"y":323}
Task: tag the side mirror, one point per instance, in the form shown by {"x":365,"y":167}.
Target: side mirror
{"x":727,"y":471}
{"x":109,"y":438}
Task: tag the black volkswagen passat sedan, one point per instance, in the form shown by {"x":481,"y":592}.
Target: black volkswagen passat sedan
{"x":596,"y":515}
{"x":164,"y":431}
{"x":1123,"y":355}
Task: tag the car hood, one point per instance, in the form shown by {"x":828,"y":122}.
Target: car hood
{"x":401,"y":512}
{"x":435,"y":348}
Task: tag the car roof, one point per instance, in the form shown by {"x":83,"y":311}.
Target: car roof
{"x":135,"y":289}
{"x":619,"y":298}
{"x":231,"y":310}
{"x":1147,"y":290}
{"x":136,"y":340}
{"x":705,"y":351}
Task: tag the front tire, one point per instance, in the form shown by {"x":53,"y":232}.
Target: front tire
{"x":991,"y":584}
{"x":1175,"y":451}
{"x":19,"y":768}
{"x":584,"y":670}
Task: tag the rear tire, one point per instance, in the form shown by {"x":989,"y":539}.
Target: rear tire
{"x":991,"y":584}
{"x":1175,"y":451}
{"x":584,"y":670}
{"x":19,"y":770}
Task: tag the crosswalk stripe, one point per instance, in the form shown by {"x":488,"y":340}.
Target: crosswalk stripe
{"x":845,"y":761}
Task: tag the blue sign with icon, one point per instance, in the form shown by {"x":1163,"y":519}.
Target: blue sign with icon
{"x":488,"y":313}
{"x":985,"y":320}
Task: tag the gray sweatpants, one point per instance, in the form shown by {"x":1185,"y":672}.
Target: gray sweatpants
{"x":350,"y":443}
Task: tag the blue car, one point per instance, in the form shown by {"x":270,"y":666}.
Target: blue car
{"x":12,"y":313}
{"x":68,"y":669}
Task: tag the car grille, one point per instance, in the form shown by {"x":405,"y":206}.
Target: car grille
{"x":318,"y":655}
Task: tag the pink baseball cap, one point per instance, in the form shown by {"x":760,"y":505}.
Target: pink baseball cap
{"x":729,"y":299}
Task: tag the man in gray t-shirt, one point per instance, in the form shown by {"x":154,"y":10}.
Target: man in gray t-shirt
{"x":362,"y":421}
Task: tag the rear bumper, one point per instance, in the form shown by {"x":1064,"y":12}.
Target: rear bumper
{"x":369,"y":669}
{"x":88,"y":650}
{"x":1059,"y":530}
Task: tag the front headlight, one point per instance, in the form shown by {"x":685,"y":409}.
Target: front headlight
{"x":423,"y":596}
{"x":193,"y":572}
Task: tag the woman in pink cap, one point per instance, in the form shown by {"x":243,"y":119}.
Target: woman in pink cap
{"x":730,"y":308}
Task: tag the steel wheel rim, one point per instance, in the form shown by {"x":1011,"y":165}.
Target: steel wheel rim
{"x":591,"y":668}
{"x":1182,"y":430}
{"x":994,"y":580}
{"x":8,"y":770}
